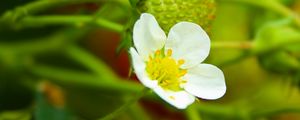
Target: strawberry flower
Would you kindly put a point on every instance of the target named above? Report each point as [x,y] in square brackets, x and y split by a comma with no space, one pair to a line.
[171,66]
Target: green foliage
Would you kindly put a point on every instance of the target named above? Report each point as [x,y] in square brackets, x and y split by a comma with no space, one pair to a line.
[39,41]
[274,35]
[280,62]
[273,42]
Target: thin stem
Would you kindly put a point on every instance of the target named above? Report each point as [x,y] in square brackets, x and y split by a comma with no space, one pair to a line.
[41,5]
[244,45]
[71,77]
[77,78]
[138,112]
[78,20]
[126,105]
[192,113]
[40,45]
[247,46]
[90,61]
[32,47]
[253,48]
[220,110]
[234,60]
[21,16]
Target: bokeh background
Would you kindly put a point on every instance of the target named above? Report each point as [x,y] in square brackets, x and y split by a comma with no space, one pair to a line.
[68,60]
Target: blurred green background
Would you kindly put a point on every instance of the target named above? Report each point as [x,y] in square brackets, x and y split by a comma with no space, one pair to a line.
[68,60]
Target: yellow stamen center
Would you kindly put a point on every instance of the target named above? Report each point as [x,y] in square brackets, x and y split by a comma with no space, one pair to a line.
[166,70]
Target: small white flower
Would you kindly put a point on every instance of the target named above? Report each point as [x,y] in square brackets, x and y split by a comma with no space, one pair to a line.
[171,66]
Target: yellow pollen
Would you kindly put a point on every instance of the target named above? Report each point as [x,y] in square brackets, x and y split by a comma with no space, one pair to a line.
[182,72]
[183,81]
[169,52]
[166,70]
[181,61]
[157,52]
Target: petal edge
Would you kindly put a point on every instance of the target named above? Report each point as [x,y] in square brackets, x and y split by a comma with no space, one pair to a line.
[189,42]
[147,35]
[179,99]
[139,68]
[205,81]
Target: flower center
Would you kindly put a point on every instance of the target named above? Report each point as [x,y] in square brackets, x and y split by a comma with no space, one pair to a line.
[166,70]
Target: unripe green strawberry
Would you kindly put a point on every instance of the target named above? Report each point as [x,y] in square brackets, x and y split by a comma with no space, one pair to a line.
[170,12]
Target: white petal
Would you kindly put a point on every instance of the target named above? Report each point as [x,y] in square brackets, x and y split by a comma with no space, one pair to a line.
[189,42]
[147,35]
[140,71]
[180,99]
[205,81]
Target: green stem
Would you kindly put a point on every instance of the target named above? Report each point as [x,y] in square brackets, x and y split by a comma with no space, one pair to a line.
[78,20]
[40,45]
[244,45]
[138,112]
[91,62]
[126,105]
[261,49]
[77,78]
[192,113]
[218,110]
[39,6]
[234,60]
[32,47]
[252,47]
[247,46]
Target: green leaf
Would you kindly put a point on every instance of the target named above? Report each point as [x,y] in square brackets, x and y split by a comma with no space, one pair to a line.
[274,43]
[276,35]
[280,62]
